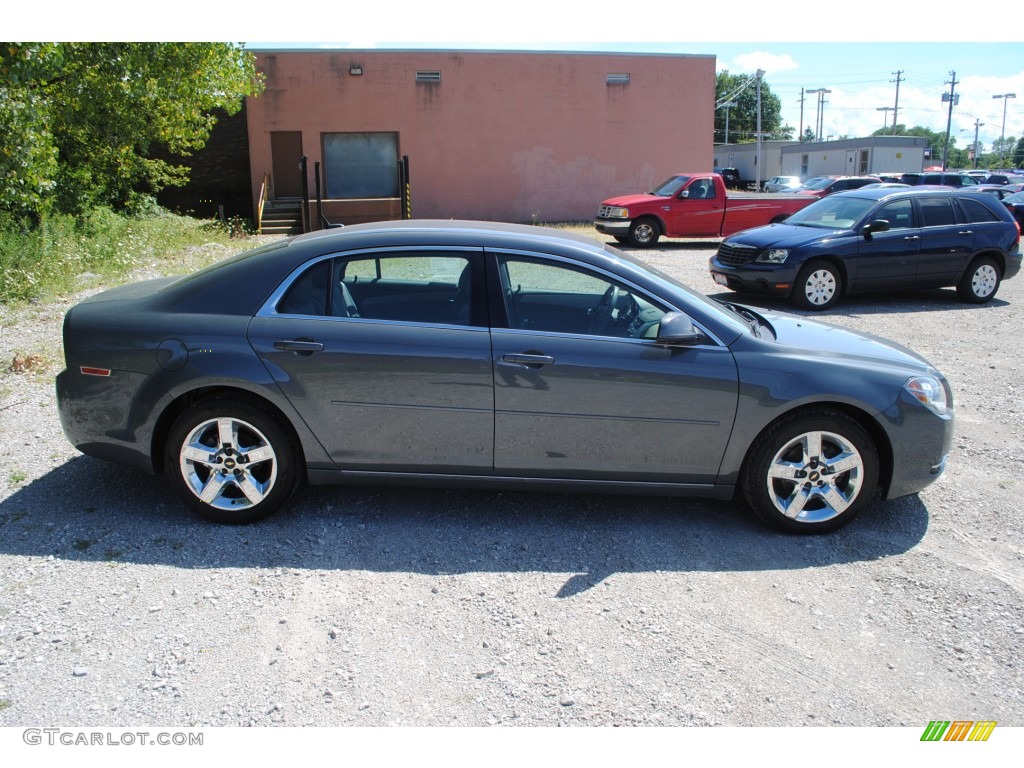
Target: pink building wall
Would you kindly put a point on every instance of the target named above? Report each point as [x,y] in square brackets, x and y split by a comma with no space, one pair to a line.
[503,136]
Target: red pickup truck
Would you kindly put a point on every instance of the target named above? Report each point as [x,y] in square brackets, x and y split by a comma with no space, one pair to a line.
[691,205]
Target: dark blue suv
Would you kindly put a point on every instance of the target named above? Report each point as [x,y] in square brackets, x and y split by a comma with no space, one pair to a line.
[873,240]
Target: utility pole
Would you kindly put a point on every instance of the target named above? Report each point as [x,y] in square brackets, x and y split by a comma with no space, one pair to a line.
[952,98]
[800,136]
[977,125]
[757,158]
[896,106]
[727,106]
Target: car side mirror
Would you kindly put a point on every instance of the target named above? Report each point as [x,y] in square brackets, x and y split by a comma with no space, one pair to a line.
[677,328]
[878,225]
[684,194]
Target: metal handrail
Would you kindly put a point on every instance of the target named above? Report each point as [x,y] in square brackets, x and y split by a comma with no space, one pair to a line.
[262,200]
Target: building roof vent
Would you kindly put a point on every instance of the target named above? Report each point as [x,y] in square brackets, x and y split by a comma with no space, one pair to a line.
[428,76]
[621,78]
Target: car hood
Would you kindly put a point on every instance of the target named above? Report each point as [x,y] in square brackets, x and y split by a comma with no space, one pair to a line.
[825,340]
[624,201]
[784,236]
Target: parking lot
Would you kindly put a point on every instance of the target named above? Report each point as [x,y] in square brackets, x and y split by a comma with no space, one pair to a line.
[379,606]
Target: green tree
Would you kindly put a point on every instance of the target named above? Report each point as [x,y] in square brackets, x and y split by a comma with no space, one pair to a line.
[83,119]
[743,117]
[1018,153]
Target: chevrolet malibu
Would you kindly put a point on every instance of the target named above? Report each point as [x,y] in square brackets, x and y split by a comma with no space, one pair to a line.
[491,356]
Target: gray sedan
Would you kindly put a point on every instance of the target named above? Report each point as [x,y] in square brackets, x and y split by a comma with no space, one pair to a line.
[488,355]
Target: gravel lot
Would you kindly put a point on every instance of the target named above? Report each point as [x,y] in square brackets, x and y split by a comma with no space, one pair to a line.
[398,607]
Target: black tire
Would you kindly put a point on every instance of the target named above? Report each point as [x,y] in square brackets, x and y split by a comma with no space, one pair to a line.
[980,282]
[644,233]
[232,461]
[621,239]
[811,472]
[818,286]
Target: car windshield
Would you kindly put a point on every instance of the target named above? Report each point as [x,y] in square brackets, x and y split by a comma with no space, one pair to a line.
[670,186]
[832,212]
[1016,197]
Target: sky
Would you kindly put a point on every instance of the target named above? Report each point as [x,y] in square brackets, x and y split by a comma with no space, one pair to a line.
[856,53]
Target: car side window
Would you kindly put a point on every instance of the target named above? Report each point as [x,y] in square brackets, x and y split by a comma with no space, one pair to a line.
[310,295]
[560,298]
[899,214]
[429,287]
[937,211]
[702,190]
[976,212]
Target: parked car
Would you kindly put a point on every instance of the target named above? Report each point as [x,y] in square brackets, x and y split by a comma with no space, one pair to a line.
[1015,204]
[999,191]
[491,356]
[1004,178]
[876,239]
[731,177]
[944,179]
[779,183]
[885,185]
[832,184]
[807,184]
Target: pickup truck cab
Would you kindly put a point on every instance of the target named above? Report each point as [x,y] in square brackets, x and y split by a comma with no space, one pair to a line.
[690,205]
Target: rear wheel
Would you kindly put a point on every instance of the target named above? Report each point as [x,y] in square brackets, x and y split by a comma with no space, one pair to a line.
[980,282]
[811,472]
[231,461]
[644,233]
[817,287]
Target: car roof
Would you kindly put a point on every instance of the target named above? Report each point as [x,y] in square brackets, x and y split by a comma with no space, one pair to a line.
[929,190]
[254,274]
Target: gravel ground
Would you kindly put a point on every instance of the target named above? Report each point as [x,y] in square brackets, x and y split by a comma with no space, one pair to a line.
[378,606]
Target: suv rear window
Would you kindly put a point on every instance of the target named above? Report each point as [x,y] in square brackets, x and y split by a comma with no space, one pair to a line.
[977,212]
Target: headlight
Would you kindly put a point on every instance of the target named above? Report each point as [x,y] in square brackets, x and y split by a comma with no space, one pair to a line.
[929,392]
[618,213]
[773,256]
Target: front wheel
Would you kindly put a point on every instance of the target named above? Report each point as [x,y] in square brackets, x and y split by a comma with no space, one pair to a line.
[811,472]
[980,282]
[644,233]
[817,287]
[231,461]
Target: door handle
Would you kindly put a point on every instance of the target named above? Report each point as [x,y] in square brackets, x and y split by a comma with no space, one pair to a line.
[912,237]
[966,232]
[301,346]
[530,361]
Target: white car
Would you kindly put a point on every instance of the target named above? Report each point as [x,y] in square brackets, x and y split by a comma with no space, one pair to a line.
[780,183]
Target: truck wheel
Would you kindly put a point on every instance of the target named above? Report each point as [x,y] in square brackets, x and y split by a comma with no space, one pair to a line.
[644,233]
[818,286]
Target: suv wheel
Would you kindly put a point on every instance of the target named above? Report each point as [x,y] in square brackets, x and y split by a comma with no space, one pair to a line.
[980,282]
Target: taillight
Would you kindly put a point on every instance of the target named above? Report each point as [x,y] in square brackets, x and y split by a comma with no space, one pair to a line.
[89,371]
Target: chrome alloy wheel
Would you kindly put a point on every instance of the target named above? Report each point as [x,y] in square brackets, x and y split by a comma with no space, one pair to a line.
[820,287]
[984,280]
[815,477]
[228,464]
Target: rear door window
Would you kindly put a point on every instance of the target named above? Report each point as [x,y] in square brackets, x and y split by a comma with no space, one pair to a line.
[937,211]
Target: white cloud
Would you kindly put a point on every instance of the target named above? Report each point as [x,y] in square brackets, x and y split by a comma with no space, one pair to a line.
[748,63]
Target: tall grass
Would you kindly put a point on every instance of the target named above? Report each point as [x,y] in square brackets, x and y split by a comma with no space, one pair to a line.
[62,253]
